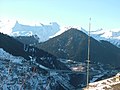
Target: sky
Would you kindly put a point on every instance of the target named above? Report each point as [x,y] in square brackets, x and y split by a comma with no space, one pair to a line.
[103,13]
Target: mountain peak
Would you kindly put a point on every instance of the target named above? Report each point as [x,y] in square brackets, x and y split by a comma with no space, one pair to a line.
[73,44]
[42,31]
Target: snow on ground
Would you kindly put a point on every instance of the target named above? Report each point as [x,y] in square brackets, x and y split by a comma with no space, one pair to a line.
[96,77]
[105,84]
[5,55]
[17,76]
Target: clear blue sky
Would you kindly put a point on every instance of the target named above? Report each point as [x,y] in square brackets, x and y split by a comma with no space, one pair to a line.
[104,13]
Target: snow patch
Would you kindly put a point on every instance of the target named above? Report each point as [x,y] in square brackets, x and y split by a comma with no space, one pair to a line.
[106,83]
[5,55]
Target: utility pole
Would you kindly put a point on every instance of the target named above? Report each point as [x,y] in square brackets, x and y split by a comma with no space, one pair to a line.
[88,61]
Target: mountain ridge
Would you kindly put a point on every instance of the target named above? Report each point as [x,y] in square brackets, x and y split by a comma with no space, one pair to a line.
[17,48]
[72,44]
[42,31]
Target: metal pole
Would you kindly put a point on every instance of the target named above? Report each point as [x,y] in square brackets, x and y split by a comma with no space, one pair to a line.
[88,61]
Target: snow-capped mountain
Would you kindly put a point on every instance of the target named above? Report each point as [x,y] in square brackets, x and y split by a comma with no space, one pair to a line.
[42,31]
[6,25]
[14,28]
[112,36]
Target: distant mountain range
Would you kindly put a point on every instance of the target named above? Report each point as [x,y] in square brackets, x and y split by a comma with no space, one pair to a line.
[72,44]
[14,28]
[113,36]
[44,32]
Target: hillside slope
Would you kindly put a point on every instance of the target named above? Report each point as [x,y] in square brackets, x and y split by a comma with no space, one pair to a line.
[16,48]
[72,44]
